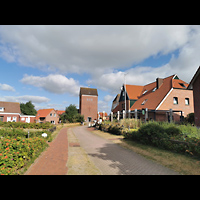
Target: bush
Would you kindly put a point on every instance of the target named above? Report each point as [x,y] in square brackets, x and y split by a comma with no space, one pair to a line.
[190,118]
[24,125]
[16,152]
[168,136]
[173,131]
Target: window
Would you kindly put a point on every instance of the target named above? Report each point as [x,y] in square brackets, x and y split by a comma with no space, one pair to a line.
[145,92]
[154,89]
[51,114]
[1,118]
[144,101]
[88,99]
[182,85]
[2,109]
[54,114]
[187,101]
[175,100]
[14,119]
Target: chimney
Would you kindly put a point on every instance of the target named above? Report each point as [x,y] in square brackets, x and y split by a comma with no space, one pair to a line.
[159,82]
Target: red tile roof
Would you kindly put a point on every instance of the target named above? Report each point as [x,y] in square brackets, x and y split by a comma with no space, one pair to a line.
[60,112]
[43,113]
[10,107]
[153,98]
[101,114]
[134,91]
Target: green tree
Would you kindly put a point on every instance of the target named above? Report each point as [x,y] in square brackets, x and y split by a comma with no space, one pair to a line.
[28,108]
[71,114]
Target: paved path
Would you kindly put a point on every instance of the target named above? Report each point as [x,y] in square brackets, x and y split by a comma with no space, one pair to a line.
[53,160]
[110,158]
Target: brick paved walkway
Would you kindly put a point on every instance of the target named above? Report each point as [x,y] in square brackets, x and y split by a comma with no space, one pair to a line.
[111,158]
[53,160]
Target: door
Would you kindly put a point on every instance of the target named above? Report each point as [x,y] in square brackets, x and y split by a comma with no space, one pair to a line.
[89,119]
[1,118]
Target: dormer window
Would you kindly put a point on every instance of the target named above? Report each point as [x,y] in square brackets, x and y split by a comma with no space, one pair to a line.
[154,89]
[181,84]
[145,92]
[144,101]
[1,109]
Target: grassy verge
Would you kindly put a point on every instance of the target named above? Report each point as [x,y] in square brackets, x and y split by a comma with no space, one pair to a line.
[78,162]
[183,164]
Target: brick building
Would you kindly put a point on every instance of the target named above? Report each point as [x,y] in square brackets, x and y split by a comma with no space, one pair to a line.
[11,112]
[47,115]
[195,86]
[158,97]
[88,103]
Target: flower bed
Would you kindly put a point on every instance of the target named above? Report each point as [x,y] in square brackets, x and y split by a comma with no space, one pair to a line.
[16,152]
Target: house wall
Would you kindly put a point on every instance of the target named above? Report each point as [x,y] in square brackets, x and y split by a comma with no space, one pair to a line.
[23,119]
[52,118]
[181,94]
[89,106]
[196,91]
[122,105]
[10,115]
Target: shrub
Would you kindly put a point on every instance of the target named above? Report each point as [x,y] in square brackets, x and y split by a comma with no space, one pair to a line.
[152,129]
[173,131]
[16,152]
[24,125]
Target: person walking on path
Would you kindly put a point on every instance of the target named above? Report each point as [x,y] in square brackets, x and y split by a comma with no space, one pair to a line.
[53,160]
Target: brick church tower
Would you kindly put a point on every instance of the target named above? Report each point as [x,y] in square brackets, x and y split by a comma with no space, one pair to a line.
[88,103]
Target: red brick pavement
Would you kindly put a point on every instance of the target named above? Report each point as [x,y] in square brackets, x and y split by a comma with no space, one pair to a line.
[53,160]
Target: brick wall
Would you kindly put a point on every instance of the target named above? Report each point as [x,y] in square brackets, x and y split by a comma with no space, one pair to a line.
[52,118]
[196,89]
[181,94]
[9,115]
[89,106]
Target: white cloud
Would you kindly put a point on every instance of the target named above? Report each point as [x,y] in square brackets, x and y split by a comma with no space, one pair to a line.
[139,75]
[25,98]
[6,87]
[89,49]
[103,51]
[57,84]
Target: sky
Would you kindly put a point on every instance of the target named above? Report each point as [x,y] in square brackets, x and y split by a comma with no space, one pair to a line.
[48,64]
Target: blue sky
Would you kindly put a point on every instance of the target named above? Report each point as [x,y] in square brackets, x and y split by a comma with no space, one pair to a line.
[48,64]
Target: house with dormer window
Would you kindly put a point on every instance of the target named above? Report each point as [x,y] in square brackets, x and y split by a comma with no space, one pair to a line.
[11,112]
[161,95]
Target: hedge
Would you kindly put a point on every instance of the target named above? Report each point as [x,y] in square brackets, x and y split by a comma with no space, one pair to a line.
[24,125]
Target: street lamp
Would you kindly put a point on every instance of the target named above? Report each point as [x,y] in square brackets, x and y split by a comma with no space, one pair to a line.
[125,91]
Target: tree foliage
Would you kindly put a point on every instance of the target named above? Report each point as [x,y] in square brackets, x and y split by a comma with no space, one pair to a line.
[71,115]
[28,108]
